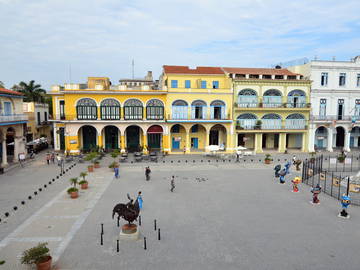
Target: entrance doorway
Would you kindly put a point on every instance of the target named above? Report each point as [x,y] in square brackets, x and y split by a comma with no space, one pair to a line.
[111,137]
[62,138]
[89,137]
[340,137]
[154,135]
[241,141]
[214,137]
[133,138]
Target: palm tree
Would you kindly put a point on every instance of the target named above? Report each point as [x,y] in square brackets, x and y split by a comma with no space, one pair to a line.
[32,91]
[83,174]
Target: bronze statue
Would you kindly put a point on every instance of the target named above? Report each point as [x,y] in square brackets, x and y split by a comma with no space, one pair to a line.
[129,211]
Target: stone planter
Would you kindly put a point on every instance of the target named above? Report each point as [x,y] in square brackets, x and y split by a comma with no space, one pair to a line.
[90,168]
[97,165]
[46,265]
[74,195]
[84,186]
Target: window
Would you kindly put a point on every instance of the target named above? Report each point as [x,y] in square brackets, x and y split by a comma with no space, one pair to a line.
[217,109]
[194,129]
[110,109]
[358,80]
[322,111]
[215,84]
[62,109]
[38,118]
[7,108]
[187,84]
[86,109]
[45,116]
[133,110]
[155,110]
[175,129]
[357,110]
[198,109]
[324,79]
[340,109]
[342,79]
[203,84]
[174,84]
[179,109]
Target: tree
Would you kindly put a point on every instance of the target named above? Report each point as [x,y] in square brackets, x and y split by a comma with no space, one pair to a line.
[2,85]
[32,92]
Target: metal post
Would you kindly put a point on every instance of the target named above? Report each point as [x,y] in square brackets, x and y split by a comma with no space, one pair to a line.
[348,186]
[154,224]
[101,239]
[339,187]
[102,228]
[118,221]
[117,245]
[332,183]
[325,182]
[139,220]
[145,243]
[352,158]
[159,238]
[344,165]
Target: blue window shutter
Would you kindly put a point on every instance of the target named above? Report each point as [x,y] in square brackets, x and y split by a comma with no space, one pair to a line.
[203,84]
[187,84]
[215,84]
[174,84]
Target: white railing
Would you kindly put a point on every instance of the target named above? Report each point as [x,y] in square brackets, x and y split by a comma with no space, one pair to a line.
[295,123]
[13,117]
[271,123]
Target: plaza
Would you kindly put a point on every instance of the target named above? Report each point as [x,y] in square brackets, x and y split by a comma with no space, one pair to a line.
[221,215]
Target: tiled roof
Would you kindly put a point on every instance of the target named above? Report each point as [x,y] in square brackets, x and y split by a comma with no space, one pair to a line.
[260,71]
[10,92]
[197,70]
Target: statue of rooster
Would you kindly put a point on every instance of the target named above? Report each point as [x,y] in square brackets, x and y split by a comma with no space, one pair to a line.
[129,211]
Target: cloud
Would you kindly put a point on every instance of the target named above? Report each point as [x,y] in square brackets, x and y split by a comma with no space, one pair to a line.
[41,38]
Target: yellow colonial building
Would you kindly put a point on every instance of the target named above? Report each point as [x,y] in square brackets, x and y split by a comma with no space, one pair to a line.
[125,116]
[271,109]
[198,109]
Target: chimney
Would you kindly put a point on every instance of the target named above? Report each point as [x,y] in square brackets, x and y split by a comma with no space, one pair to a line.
[149,76]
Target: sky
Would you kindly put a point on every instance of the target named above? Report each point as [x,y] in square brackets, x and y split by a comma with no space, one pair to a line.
[43,40]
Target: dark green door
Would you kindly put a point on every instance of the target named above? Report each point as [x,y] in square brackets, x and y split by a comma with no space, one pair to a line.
[62,138]
[89,138]
[154,140]
[111,137]
[132,138]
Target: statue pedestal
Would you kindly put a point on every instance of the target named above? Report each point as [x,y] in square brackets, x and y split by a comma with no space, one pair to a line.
[129,232]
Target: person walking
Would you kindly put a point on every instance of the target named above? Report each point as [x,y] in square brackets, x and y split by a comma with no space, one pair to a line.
[53,157]
[140,200]
[116,171]
[184,150]
[147,173]
[172,183]
[48,157]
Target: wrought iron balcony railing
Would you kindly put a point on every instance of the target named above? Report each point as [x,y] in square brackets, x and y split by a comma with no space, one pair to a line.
[272,105]
[13,117]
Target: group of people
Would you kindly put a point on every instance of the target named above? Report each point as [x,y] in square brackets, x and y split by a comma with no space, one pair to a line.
[316,190]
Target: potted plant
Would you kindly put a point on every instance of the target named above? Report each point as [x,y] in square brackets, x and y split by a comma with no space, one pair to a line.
[341,158]
[258,124]
[268,159]
[90,168]
[73,191]
[312,158]
[96,164]
[83,182]
[38,255]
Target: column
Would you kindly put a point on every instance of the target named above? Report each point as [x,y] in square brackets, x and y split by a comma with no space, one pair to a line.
[207,140]
[122,143]
[305,142]
[347,141]
[56,143]
[4,162]
[145,143]
[282,142]
[330,140]
[16,150]
[187,142]
[258,143]
[100,141]
[312,139]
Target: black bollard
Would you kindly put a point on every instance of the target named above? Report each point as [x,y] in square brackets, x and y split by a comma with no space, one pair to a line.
[15,208]
[57,177]
[118,221]
[101,239]
[145,243]
[49,182]
[29,197]
[35,192]
[7,214]
[40,189]
[22,202]
[154,224]
[159,234]
[139,220]
[53,179]
[117,245]
[45,186]
[102,228]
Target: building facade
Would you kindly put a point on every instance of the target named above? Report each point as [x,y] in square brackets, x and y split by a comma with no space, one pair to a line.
[12,126]
[271,109]
[38,121]
[198,109]
[98,114]
[335,98]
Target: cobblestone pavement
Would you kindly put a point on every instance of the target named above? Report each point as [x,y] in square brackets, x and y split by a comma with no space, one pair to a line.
[221,215]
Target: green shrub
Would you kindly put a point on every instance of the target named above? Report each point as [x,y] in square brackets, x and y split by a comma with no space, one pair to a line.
[36,254]
[72,189]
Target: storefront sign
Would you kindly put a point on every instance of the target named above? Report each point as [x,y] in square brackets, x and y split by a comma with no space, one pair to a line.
[73,141]
[177,139]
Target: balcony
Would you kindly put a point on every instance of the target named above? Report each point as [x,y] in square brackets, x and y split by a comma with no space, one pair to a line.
[13,118]
[174,118]
[271,124]
[330,118]
[271,106]
[75,117]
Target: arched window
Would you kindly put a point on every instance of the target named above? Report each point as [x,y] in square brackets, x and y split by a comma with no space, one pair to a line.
[247,98]
[154,109]
[296,99]
[271,121]
[246,121]
[295,121]
[133,109]
[179,109]
[198,109]
[217,109]
[86,109]
[110,109]
[272,98]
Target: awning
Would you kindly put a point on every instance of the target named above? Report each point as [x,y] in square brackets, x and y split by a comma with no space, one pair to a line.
[155,130]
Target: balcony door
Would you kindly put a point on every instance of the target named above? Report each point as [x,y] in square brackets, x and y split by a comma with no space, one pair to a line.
[7,108]
[340,111]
